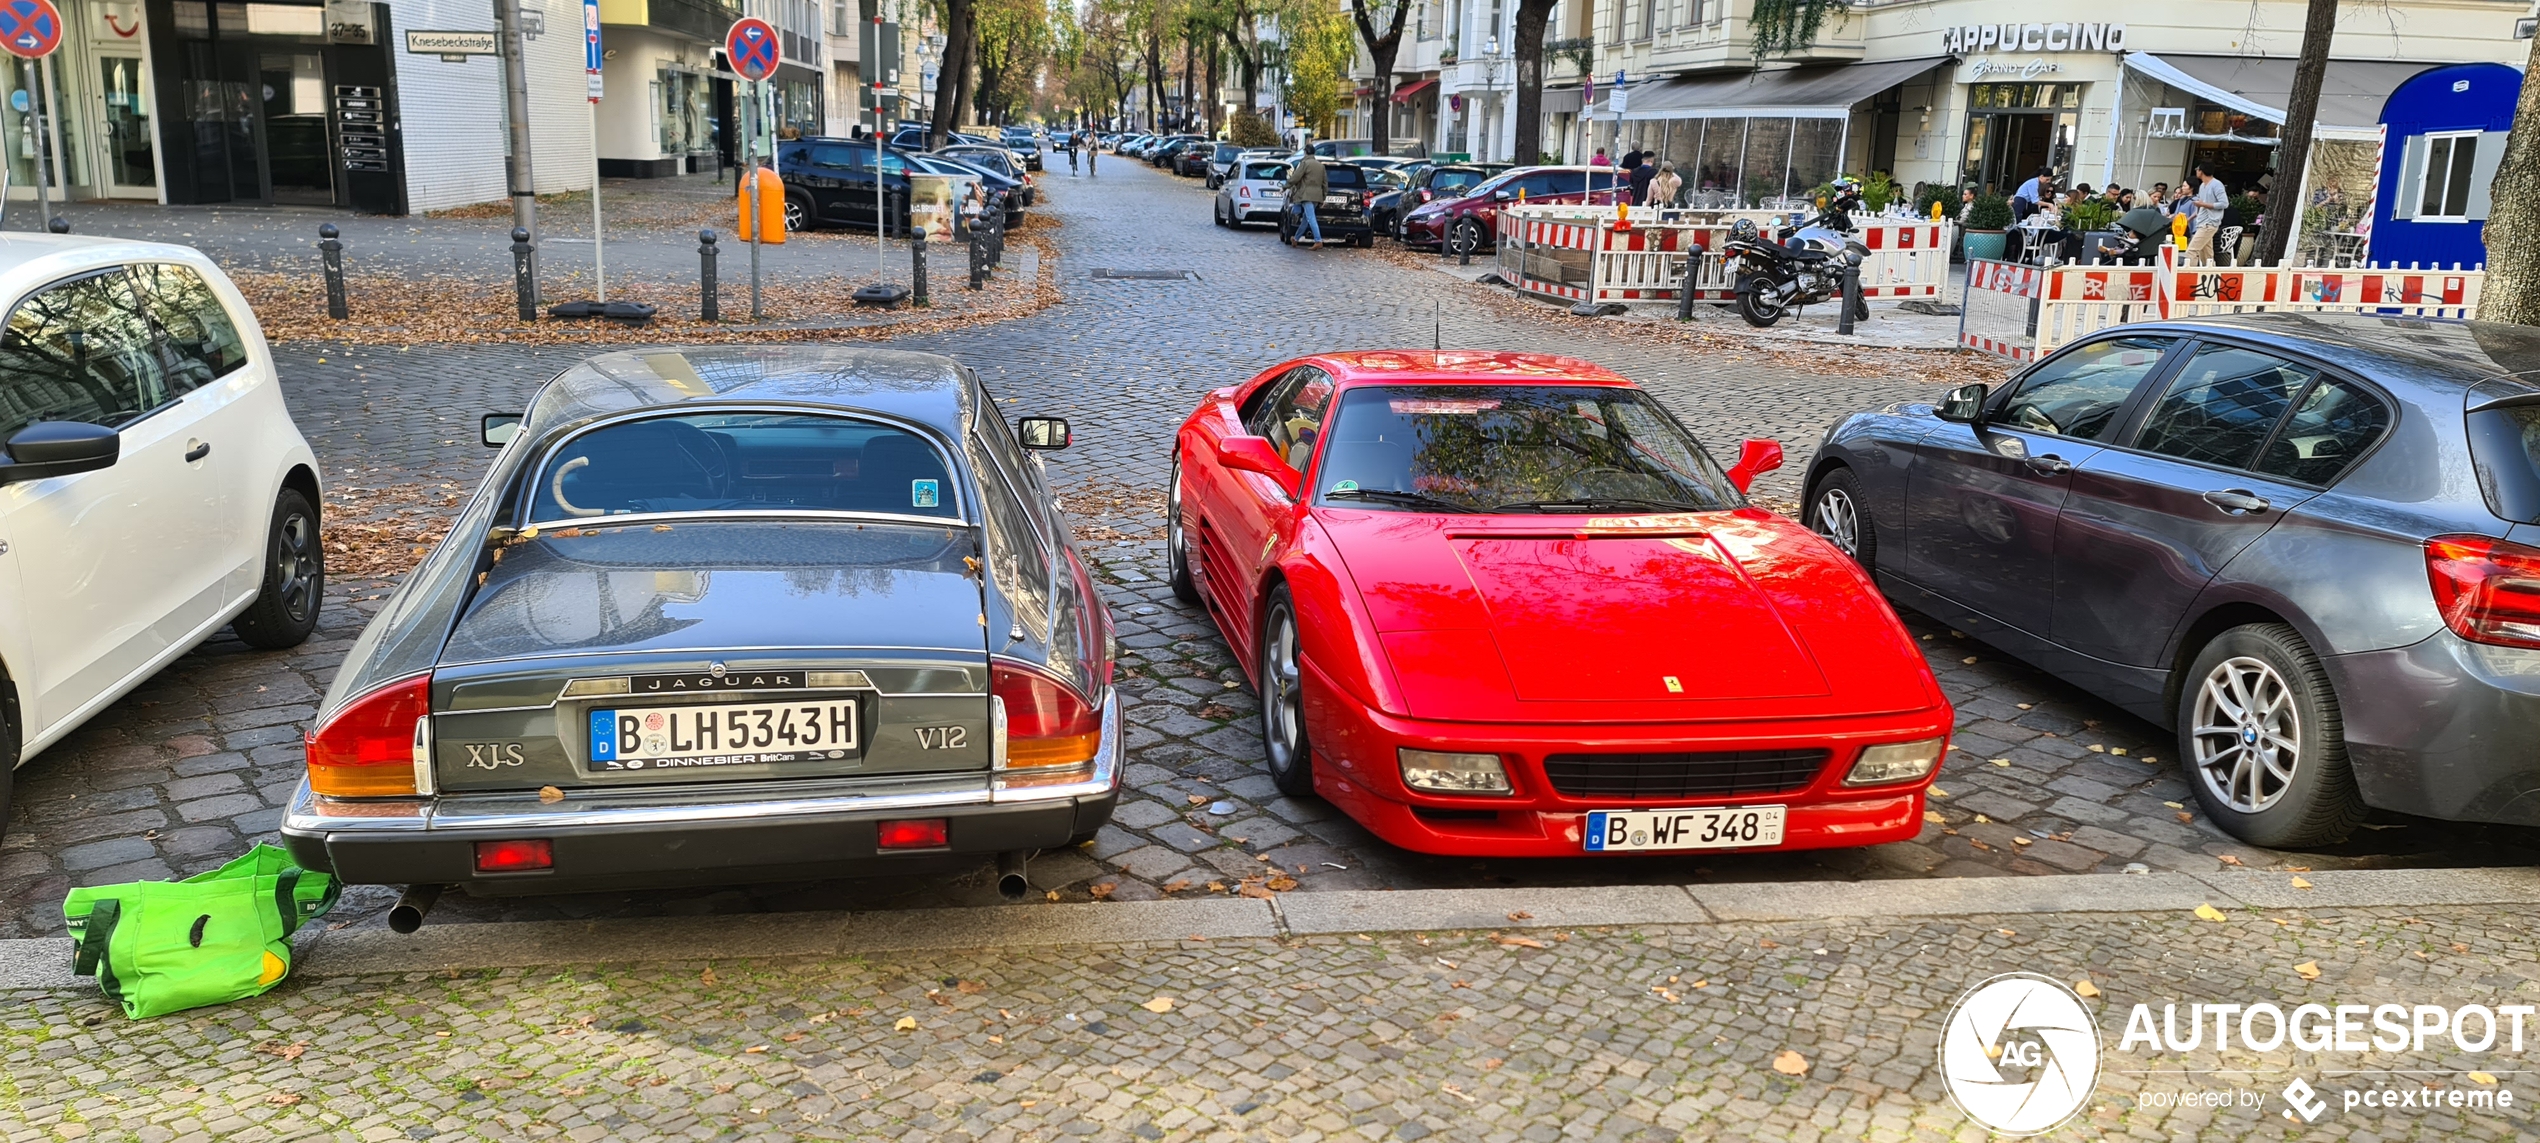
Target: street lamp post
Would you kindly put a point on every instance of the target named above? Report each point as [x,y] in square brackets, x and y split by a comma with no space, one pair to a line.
[1490,89]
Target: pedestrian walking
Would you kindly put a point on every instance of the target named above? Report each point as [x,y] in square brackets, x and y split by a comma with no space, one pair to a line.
[1306,187]
[2211,200]
[1093,158]
[1075,146]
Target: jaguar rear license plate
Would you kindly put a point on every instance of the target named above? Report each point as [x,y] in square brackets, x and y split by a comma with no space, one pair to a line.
[725,734]
[1728,827]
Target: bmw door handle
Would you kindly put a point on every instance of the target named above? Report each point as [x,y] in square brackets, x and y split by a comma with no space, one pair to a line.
[2050,464]
[200,450]
[2237,501]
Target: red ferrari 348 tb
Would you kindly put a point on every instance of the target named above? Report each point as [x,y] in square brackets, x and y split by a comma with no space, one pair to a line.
[1503,604]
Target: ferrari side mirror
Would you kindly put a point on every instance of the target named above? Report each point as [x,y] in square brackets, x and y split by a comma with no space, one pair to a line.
[1258,455]
[1754,458]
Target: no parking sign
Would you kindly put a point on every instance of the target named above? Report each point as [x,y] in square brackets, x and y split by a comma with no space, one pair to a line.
[30,29]
[750,45]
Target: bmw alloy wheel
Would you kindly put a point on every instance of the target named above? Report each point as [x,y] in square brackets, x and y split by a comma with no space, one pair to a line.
[1838,519]
[2248,734]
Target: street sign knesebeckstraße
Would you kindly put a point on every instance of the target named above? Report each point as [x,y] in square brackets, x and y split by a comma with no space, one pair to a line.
[30,29]
[453,43]
[752,47]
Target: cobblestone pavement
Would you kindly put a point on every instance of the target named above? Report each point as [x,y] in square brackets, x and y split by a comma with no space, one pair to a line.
[1598,1034]
[194,765]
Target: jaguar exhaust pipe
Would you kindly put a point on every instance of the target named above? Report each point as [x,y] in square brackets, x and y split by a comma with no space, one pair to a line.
[407,914]
[1010,880]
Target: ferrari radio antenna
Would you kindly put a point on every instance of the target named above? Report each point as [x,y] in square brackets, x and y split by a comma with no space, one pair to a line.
[1437,332]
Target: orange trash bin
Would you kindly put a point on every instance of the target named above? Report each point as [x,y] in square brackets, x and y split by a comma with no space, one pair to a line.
[770,215]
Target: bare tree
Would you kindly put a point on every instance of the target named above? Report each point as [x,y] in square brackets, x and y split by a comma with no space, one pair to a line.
[2512,290]
[952,84]
[2301,113]
[1382,47]
[1532,15]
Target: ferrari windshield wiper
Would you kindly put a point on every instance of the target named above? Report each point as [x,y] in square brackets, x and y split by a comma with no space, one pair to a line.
[1598,504]
[1389,496]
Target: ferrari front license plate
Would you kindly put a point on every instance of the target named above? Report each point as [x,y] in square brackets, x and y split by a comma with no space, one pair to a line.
[1730,827]
[726,734]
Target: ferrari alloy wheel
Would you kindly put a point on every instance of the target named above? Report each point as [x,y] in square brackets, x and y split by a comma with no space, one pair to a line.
[1177,555]
[2261,733]
[1290,754]
[1836,514]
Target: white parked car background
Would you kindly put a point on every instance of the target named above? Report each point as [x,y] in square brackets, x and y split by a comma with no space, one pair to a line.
[1255,193]
[155,490]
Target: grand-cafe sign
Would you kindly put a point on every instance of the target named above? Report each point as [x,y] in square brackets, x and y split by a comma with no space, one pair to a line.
[2033,38]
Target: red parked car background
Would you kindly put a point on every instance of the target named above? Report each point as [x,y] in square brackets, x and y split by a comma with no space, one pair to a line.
[1503,604]
[1473,220]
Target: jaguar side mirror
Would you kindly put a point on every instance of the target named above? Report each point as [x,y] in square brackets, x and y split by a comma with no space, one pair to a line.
[1042,432]
[498,429]
[1964,404]
[1754,458]
[60,448]
[1257,455]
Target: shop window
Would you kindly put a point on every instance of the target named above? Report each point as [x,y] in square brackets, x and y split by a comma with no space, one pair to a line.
[2445,177]
[1765,172]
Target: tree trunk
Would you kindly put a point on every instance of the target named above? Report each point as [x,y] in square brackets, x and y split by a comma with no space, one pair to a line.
[1382,47]
[1215,54]
[1155,79]
[960,29]
[2301,112]
[2511,292]
[1531,17]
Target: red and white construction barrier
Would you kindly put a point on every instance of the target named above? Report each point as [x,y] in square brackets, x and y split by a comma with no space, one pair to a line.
[1580,254]
[2000,312]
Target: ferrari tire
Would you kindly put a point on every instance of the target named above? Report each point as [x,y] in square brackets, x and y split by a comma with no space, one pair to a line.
[286,607]
[1285,745]
[1838,513]
[1177,557]
[2263,742]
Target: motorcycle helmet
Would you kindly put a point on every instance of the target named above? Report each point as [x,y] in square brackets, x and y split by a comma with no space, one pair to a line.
[1743,230]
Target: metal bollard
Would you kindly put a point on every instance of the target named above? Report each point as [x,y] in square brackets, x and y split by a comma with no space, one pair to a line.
[1851,296]
[707,307]
[978,255]
[331,253]
[917,268]
[1684,286]
[59,225]
[524,280]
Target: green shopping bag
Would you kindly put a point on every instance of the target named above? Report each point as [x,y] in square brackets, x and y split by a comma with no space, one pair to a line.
[165,946]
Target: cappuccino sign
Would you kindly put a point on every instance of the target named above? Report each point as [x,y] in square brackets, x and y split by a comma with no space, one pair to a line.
[1973,38]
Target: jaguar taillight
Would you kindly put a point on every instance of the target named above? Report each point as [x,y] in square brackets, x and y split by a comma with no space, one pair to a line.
[1044,732]
[376,746]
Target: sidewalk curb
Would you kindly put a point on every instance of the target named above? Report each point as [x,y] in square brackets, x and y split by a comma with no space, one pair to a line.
[44,963]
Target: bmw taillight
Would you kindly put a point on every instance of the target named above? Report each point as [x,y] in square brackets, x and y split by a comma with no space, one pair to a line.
[376,746]
[2487,589]
[1045,733]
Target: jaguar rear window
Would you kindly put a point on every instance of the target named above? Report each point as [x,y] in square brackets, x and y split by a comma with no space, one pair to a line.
[741,462]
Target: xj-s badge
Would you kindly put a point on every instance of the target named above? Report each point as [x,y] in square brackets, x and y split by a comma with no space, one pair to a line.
[942,737]
[493,755]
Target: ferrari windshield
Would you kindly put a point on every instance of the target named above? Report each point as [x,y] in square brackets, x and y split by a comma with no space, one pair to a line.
[740,462]
[1514,448]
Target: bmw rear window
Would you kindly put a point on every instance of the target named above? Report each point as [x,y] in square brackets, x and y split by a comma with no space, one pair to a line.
[2504,446]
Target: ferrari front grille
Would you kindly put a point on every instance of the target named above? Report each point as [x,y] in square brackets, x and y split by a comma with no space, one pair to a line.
[1653,777]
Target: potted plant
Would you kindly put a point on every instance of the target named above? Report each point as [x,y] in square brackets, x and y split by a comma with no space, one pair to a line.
[1987,218]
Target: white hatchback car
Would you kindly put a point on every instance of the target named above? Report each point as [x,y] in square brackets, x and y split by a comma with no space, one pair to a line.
[154,487]
[1256,190]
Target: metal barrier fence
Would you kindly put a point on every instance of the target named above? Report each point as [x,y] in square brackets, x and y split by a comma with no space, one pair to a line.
[1587,254]
[2021,311]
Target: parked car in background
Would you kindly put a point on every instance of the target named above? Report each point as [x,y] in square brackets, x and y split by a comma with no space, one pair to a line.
[1427,182]
[1221,159]
[1025,141]
[1003,190]
[1255,193]
[1471,222]
[996,160]
[1357,148]
[1192,159]
[821,616]
[157,489]
[2310,543]
[915,139]
[833,182]
[1503,604]
[1162,153]
[1342,215]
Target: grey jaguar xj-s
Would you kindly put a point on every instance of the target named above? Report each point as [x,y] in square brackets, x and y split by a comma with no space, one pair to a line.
[722,615]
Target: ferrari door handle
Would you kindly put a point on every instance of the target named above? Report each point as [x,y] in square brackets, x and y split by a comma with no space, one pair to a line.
[200,450]
[2237,502]
[2050,464]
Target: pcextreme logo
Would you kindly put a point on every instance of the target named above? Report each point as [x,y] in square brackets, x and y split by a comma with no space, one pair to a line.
[2020,1054]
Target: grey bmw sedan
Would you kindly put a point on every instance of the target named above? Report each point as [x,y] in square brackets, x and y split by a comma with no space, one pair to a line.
[723,615]
[2308,542]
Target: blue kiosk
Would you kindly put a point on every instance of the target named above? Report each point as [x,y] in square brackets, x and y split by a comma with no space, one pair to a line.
[2443,131]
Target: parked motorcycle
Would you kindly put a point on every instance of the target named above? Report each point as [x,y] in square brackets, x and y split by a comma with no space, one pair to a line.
[1803,267]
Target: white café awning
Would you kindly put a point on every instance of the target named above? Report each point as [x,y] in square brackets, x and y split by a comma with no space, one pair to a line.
[2351,94]
[1821,92]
